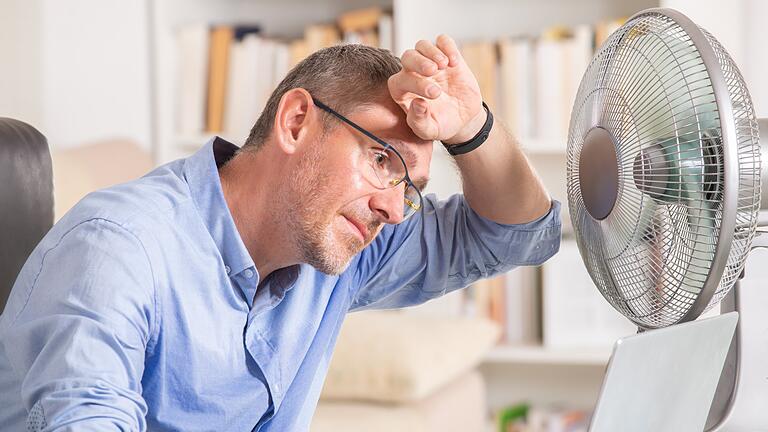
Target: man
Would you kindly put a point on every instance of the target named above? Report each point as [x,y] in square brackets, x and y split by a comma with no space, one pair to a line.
[208,294]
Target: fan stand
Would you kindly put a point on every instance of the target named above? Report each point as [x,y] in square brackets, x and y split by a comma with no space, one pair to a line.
[722,413]
[727,388]
[723,403]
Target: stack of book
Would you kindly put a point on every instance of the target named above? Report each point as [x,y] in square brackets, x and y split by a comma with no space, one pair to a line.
[556,305]
[226,73]
[512,300]
[531,82]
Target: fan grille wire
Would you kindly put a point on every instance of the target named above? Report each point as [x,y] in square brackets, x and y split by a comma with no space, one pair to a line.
[649,87]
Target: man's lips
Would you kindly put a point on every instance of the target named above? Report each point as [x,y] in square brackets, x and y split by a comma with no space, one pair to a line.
[361,229]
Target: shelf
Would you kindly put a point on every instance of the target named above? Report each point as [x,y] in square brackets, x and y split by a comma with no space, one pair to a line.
[540,355]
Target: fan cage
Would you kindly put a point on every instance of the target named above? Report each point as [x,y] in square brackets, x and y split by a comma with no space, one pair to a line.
[649,86]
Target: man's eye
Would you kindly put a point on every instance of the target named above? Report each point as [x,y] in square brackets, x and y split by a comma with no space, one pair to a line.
[381,159]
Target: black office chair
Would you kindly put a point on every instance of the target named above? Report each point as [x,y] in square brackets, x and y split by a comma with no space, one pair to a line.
[26,197]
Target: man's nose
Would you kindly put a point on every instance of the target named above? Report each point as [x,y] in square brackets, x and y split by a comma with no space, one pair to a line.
[388,204]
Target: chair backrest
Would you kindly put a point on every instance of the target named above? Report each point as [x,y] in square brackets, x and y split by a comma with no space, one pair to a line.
[26,197]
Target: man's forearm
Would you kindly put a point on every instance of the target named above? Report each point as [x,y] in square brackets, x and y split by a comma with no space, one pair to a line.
[499,183]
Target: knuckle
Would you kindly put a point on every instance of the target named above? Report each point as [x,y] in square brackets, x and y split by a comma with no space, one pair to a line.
[445,41]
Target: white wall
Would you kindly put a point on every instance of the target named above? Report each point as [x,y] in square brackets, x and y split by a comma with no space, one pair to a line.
[20,60]
[756,55]
[95,71]
[77,69]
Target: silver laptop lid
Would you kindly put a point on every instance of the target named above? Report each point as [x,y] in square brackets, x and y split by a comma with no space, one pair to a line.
[664,380]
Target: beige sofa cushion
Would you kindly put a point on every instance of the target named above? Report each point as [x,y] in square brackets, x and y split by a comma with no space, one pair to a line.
[78,171]
[458,407]
[396,357]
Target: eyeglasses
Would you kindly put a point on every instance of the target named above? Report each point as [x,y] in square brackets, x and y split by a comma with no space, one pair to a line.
[388,166]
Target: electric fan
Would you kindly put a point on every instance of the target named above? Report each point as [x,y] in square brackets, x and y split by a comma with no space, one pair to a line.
[663,175]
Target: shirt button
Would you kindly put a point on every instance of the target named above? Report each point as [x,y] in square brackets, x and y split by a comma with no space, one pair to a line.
[248,273]
[226,267]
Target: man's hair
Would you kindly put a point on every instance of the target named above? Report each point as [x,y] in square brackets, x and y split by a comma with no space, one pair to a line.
[342,76]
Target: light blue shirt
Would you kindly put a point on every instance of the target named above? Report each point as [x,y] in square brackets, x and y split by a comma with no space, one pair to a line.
[139,309]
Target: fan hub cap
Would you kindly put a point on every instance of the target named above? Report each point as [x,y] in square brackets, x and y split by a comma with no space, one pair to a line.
[599,173]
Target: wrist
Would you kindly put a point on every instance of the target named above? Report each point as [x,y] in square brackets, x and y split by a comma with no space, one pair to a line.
[469,130]
[463,147]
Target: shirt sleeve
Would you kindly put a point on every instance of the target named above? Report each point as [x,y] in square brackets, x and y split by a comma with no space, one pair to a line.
[79,342]
[448,246]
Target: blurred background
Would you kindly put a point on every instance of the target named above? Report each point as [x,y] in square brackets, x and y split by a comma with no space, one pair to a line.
[120,86]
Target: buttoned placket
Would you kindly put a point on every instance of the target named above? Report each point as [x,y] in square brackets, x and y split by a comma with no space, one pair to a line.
[255,337]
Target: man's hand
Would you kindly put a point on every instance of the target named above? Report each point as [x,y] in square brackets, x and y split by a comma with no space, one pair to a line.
[438,92]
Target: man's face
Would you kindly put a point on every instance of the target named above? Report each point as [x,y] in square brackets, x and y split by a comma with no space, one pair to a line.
[338,209]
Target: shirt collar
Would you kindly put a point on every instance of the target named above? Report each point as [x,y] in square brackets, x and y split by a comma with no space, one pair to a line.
[201,171]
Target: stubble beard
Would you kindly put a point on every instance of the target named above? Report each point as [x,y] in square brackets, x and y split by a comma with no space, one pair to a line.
[310,221]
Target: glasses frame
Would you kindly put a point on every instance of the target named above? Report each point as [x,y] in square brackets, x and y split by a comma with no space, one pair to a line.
[386,146]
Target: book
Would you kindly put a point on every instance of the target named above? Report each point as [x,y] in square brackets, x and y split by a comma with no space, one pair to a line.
[243,92]
[369,26]
[497,303]
[360,19]
[481,59]
[319,36]
[298,50]
[488,296]
[221,39]
[516,79]
[281,64]
[550,88]
[386,34]
[192,85]
[522,307]
[236,100]
[579,48]
[575,314]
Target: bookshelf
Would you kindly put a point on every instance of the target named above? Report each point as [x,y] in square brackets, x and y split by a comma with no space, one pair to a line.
[277,18]
[537,354]
[532,372]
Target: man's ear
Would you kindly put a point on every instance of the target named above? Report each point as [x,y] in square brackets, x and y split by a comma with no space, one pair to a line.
[292,124]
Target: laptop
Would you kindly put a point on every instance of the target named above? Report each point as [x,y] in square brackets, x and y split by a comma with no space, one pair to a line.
[664,380]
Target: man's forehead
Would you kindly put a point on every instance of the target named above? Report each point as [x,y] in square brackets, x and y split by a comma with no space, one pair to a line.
[389,123]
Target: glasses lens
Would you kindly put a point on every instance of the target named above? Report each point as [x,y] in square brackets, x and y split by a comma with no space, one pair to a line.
[388,168]
[412,201]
